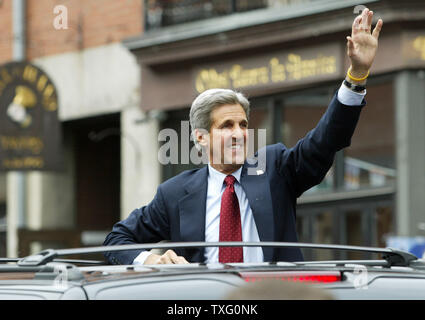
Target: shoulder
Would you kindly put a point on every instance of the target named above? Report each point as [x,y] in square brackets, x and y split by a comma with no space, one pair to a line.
[272,150]
[267,158]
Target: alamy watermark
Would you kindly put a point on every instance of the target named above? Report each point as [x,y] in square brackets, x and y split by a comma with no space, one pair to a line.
[60,21]
[360,279]
[358,9]
[178,151]
[61,280]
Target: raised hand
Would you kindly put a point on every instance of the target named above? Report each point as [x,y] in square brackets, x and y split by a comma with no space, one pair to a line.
[363,43]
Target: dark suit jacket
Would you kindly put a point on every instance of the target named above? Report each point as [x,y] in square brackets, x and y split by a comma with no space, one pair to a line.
[177,213]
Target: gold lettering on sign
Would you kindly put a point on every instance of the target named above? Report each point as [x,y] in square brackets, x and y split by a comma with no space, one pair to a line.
[248,77]
[48,91]
[277,69]
[419,45]
[294,69]
[208,79]
[33,144]
[25,97]
[5,75]
[41,83]
[24,163]
[2,86]
[30,74]
[300,69]
[49,102]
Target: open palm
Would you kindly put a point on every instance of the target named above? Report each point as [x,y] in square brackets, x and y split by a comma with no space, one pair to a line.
[363,44]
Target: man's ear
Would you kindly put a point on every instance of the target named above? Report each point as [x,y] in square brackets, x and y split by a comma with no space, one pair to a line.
[202,136]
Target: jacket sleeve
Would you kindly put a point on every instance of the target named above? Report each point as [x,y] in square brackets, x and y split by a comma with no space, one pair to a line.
[306,164]
[148,224]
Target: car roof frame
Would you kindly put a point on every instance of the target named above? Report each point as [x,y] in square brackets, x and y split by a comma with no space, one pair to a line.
[394,257]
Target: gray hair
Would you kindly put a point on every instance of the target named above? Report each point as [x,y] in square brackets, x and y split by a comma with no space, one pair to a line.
[204,104]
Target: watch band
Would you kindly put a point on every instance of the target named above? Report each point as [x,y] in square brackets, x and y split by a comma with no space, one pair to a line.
[354,87]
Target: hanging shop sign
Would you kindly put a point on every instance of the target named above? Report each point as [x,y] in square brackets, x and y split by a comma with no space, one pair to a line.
[30,134]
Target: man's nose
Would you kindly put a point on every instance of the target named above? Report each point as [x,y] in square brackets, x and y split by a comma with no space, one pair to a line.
[238,132]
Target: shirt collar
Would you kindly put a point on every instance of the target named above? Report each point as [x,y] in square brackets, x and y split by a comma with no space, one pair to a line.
[218,177]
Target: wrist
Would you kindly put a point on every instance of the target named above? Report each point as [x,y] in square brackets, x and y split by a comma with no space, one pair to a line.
[354,87]
[354,82]
[357,76]
[141,258]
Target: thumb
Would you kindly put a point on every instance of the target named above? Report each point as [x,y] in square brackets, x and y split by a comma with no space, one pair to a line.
[350,46]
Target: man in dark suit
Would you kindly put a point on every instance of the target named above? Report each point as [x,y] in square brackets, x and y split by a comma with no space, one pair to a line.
[232,199]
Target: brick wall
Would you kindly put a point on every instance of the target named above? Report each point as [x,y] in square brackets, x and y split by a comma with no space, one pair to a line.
[6,31]
[91,23]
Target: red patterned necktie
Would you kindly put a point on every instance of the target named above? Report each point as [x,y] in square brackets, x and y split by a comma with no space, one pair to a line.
[230,223]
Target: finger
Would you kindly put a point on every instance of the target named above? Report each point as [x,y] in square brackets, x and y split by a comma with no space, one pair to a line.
[350,46]
[174,258]
[152,259]
[377,29]
[369,20]
[170,253]
[182,260]
[179,260]
[165,259]
[365,14]
[356,24]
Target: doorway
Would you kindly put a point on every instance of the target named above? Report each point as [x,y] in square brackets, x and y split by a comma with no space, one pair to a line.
[98,172]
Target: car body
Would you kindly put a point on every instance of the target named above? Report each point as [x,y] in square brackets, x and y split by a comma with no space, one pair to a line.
[398,276]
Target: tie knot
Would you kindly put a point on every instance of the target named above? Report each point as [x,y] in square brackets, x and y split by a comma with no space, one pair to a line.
[229,180]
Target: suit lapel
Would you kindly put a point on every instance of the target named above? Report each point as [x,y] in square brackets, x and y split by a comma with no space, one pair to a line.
[192,208]
[257,190]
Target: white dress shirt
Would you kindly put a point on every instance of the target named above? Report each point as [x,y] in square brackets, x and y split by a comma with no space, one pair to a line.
[215,190]
[349,97]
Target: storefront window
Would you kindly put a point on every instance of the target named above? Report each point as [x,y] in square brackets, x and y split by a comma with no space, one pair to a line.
[370,160]
[368,163]
[354,234]
[323,233]
[3,221]
[365,222]
[301,111]
[3,229]
[177,121]
[259,120]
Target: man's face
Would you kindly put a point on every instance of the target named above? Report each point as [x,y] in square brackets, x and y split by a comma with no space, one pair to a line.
[228,138]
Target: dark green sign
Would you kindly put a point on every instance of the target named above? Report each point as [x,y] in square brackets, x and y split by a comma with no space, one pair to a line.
[30,135]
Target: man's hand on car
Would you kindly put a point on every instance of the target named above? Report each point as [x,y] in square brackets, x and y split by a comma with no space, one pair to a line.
[169,257]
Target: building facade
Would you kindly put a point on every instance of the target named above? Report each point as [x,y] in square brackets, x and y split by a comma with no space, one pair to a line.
[125,70]
[78,45]
[289,57]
